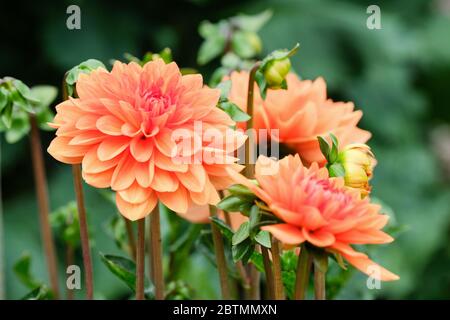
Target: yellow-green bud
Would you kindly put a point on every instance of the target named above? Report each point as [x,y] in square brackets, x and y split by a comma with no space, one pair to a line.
[358,162]
[276,71]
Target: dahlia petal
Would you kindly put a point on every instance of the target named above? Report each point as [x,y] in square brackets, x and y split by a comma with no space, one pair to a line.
[124,174]
[144,172]
[87,138]
[291,217]
[91,164]
[61,150]
[367,266]
[312,218]
[100,179]
[347,250]
[112,147]
[196,214]
[176,201]
[319,238]
[164,181]
[286,233]
[109,125]
[364,237]
[135,194]
[194,179]
[165,144]
[169,164]
[137,211]
[87,122]
[141,148]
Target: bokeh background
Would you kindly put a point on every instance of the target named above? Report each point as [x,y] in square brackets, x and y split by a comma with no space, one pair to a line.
[399,76]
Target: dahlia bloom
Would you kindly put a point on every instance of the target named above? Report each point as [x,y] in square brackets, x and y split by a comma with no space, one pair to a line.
[129,129]
[319,210]
[301,113]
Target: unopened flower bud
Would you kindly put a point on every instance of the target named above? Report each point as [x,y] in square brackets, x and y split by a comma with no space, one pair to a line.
[358,162]
[276,72]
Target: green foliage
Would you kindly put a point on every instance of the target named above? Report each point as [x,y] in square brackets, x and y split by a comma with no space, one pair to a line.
[237,35]
[230,108]
[84,67]
[125,270]
[22,269]
[65,222]
[17,101]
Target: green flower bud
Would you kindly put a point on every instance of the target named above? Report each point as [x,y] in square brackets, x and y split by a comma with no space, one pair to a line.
[276,71]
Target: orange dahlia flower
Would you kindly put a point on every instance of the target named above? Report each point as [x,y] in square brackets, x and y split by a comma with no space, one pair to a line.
[129,125]
[319,210]
[301,113]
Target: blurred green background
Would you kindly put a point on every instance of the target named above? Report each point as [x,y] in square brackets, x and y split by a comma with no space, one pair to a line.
[399,76]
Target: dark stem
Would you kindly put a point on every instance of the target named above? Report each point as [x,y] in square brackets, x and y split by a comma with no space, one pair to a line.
[220,257]
[70,260]
[249,166]
[303,270]
[319,280]
[255,276]
[277,279]
[131,238]
[156,251]
[42,199]
[268,272]
[140,260]
[84,233]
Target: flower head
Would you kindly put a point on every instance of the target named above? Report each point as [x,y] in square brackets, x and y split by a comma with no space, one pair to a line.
[301,113]
[319,210]
[358,162]
[142,131]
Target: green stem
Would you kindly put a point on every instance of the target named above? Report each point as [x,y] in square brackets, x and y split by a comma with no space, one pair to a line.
[220,257]
[303,270]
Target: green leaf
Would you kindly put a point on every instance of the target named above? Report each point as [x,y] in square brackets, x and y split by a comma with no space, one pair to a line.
[19,128]
[125,270]
[263,238]
[246,44]
[223,227]
[40,293]
[324,147]
[230,203]
[225,87]
[262,83]
[241,190]
[234,111]
[84,67]
[241,234]
[336,170]
[45,94]
[22,269]
[24,91]
[3,98]
[20,102]
[254,217]
[208,29]
[7,116]
[230,60]
[252,22]
[210,49]
[334,153]
[243,251]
